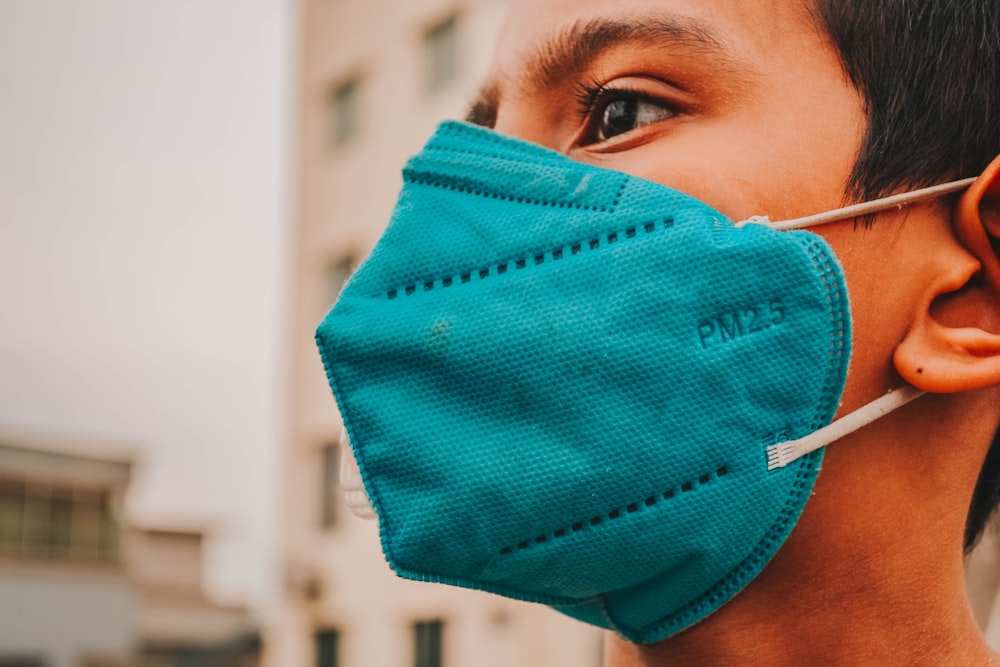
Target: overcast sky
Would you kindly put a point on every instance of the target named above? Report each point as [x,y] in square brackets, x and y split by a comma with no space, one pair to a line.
[144,228]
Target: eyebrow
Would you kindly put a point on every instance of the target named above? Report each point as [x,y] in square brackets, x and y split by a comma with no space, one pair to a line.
[576,47]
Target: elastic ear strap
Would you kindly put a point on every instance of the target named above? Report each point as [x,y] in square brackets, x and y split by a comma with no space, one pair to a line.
[780,455]
[867,208]
[355,495]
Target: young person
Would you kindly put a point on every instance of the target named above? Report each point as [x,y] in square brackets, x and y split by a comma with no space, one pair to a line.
[787,109]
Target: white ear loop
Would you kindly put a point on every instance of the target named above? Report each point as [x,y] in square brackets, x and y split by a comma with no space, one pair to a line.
[781,454]
[355,495]
[866,208]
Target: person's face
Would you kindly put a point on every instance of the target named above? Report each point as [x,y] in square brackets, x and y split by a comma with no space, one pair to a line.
[740,103]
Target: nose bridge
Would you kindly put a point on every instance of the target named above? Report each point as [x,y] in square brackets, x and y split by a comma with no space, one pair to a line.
[519,116]
[525,127]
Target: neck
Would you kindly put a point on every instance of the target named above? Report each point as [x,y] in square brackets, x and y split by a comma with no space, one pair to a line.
[872,574]
[865,614]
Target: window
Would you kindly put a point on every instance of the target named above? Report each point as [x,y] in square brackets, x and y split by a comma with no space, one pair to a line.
[441,47]
[60,523]
[427,643]
[20,661]
[328,648]
[330,487]
[345,115]
[104,661]
[44,521]
[11,513]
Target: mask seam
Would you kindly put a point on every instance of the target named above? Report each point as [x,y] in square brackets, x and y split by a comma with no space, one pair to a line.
[417,177]
[836,300]
[540,160]
[575,248]
[373,496]
[738,576]
[618,513]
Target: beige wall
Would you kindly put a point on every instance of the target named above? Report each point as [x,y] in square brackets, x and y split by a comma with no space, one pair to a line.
[166,570]
[167,559]
[338,577]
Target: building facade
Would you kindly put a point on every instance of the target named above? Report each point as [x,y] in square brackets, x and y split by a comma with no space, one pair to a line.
[65,595]
[376,77]
[176,624]
[81,586]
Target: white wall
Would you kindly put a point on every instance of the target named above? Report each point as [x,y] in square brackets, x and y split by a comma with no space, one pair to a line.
[144,202]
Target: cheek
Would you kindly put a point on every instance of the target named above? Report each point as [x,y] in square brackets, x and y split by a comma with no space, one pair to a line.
[698,173]
[736,185]
[740,167]
[881,305]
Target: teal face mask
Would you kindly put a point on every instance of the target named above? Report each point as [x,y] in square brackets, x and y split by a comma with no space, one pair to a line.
[567,385]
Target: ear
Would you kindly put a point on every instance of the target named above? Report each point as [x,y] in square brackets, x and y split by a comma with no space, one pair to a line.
[953,343]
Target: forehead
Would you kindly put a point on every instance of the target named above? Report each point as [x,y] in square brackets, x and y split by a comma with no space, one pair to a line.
[766,19]
[759,34]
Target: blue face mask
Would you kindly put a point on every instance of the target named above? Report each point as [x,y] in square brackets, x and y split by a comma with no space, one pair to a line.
[571,386]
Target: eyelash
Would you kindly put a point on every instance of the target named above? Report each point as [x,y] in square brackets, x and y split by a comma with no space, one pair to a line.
[589,94]
[592,96]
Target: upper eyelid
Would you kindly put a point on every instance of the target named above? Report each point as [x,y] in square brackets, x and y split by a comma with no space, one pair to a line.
[592,94]
[602,93]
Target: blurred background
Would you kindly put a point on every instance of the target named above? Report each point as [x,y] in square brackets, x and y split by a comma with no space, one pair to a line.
[184,187]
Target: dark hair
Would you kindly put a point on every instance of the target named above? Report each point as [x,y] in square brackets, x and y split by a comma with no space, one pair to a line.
[929,72]
[986,495]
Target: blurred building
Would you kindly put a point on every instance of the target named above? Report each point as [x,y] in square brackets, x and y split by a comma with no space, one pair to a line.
[65,595]
[82,587]
[176,624]
[982,582]
[376,77]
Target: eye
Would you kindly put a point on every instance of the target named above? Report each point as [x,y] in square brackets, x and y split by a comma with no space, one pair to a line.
[628,113]
[610,112]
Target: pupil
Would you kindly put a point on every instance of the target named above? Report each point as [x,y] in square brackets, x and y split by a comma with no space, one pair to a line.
[619,117]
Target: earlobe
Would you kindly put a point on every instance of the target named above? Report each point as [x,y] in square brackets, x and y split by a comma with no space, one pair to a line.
[943,359]
[953,343]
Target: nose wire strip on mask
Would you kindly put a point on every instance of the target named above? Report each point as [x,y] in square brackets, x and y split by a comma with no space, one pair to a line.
[866,208]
